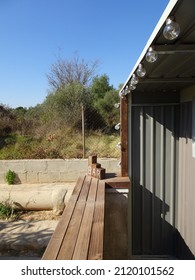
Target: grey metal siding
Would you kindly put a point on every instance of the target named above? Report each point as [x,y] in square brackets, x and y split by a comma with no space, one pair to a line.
[154,145]
[186,185]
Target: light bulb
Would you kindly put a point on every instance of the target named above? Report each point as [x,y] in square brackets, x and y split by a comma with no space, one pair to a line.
[141,71]
[116,105]
[127,90]
[132,87]
[171,30]
[118,145]
[117,126]
[151,55]
[134,79]
[121,93]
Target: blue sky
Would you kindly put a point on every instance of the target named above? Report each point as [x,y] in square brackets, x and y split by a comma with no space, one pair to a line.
[33,33]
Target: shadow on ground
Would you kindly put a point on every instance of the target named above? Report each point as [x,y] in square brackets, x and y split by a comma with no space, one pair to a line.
[24,239]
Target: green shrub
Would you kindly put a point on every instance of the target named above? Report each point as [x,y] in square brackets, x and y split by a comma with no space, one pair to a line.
[10,177]
[6,211]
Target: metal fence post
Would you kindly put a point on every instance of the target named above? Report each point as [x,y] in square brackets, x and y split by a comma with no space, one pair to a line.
[83,128]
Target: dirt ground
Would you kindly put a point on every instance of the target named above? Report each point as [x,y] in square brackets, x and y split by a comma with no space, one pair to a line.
[26,236]
[38,215]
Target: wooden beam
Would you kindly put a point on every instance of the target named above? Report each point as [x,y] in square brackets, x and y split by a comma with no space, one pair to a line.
[124,135]
[118,183]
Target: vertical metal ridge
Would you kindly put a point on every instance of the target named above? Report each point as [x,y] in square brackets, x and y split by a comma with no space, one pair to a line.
[163,176]
[142,169]
[172,169]
[152,150]
[153,176]
[141,146]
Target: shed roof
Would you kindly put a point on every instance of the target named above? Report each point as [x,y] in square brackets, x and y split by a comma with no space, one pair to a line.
[175,66]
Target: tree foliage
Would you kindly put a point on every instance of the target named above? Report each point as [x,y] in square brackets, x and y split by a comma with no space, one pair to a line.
[105,107]
[68,71]
[65,104]
[104,98]
[100,85]
[7,120]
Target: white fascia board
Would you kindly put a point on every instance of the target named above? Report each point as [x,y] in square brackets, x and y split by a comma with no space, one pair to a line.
[160,23]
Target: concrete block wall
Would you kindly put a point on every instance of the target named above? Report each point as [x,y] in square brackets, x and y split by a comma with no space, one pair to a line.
[51,170]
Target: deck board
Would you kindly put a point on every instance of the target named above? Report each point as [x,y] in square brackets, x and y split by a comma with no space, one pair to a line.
[56,240]
[96,242]
[81,248]
[79,233]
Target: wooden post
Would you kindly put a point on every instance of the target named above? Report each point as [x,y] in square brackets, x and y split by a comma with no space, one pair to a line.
[124,135]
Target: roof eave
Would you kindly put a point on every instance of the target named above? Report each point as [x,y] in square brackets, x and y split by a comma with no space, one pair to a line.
[156,30]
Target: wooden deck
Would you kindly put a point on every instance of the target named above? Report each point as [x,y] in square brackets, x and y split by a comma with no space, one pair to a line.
[79,233]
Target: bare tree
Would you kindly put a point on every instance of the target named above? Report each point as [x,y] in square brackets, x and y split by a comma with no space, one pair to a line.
[68,71]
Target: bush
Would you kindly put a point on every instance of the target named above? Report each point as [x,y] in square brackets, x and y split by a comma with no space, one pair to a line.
[10,177]
[9,212]
[6,211]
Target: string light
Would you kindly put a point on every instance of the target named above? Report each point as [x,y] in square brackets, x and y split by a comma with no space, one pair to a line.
[171,30]
[118,145]
[134,80]
[151,55]
[117,105]
[117,126]
[132,87]
[141,71]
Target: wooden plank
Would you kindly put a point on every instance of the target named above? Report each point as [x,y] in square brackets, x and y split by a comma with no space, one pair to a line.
[55,242]
[82,245]
[70,238]
[68,244]
[97,234]
[118,183]
[124,136]
[92,159]
[85,189]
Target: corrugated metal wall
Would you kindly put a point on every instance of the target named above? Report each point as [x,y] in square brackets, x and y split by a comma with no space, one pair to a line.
[154,165]
[186,184]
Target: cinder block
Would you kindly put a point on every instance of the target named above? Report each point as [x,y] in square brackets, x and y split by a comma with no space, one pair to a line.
[67,177]
[2,178]
[32,177]
[56,165]
[21,178]
[35,165]
[51,177]
[14,165]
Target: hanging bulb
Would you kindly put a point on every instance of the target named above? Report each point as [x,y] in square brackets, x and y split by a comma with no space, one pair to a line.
[141,71]
[118,145]
[151,55]
[171,30]
[127,90]
[122,94]
[117,126]
[134,79]
[132,87]
[116,105]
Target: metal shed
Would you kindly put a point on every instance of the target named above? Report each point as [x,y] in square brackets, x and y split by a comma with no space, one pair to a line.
[158,141]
